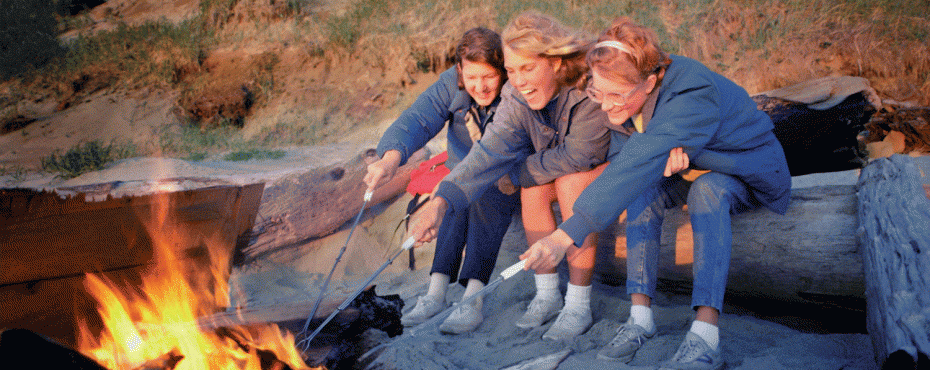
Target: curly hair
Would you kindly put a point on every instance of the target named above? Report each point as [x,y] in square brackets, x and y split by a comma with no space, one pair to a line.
[480,45]
[643,55]
[544,36]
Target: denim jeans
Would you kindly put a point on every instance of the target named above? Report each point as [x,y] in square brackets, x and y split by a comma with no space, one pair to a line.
[478,232]
[711,199]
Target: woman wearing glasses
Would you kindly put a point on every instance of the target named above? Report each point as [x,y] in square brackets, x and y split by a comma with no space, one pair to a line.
[668,101]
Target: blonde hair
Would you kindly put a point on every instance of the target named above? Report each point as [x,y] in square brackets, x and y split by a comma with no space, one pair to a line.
[544,36]
[641,57]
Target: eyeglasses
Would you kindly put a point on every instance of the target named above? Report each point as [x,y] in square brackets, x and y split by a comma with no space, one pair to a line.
[616,99]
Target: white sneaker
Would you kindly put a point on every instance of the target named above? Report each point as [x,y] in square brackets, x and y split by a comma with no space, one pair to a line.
[694,354]
[464,319]
[425,308]
[569,324]
[539,311]
[626,342]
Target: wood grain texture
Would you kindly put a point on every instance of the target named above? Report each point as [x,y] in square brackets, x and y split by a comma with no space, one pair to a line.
[895,235]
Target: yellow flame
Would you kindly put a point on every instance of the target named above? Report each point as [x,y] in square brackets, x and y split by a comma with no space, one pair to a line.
[161,317]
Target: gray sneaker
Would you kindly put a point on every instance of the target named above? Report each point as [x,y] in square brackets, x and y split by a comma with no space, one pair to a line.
[569,324]
[539,311]
[425,308]
[625,344]
[464,319]
[694,354]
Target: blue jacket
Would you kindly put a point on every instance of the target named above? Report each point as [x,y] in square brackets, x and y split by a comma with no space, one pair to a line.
[720,129]
[442,102]
[533,146]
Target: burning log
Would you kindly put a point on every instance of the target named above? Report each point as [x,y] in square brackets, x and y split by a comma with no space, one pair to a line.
[50,239]
[894,214]
[167,361]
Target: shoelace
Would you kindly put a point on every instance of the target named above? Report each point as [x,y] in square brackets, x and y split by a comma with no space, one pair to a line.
[623,336]
[688,352]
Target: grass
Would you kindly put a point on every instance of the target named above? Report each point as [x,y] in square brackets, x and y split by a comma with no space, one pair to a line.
[86,157]
[321,59]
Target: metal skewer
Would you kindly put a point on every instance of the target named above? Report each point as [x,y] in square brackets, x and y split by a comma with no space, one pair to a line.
[306,341]
[366,198]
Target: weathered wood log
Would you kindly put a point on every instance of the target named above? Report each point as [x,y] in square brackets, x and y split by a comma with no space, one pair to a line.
[895,235]
[48,242]
[818,122]
[809,254]
[304,206]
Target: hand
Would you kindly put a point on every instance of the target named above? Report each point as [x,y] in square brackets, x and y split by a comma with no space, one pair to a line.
[677,161]
[547,252]
[506,186]
[382,171]
[426,226]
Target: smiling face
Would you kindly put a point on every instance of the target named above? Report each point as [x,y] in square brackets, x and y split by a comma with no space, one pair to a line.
[635,96]
[534,76]
[481,81]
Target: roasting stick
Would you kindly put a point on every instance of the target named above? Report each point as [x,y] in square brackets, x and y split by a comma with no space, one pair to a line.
[506,274]
[306,341]
[366,198]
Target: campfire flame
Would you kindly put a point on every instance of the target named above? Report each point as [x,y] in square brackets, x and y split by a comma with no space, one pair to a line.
[158,321]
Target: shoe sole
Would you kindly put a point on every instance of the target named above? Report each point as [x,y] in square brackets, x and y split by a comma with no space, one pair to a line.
[625,359]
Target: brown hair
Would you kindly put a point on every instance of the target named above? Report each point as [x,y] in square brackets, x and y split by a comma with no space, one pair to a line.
[480,45]
[546,37]
[645,56]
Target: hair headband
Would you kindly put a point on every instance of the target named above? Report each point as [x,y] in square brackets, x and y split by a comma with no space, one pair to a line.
[614,44]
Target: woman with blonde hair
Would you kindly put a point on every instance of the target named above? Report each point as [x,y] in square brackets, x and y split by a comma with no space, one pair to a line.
[666,101]
[549,138]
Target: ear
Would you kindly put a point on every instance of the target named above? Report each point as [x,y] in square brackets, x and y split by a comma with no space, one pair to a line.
[651,83]
[556,64]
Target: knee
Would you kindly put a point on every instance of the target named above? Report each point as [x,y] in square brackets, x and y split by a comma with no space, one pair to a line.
[708,193]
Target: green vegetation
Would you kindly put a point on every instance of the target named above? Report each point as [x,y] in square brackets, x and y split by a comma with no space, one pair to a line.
[86,157]
[254,154]
[321,69]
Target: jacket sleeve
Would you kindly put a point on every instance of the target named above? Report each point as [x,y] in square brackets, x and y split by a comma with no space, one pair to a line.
[504,145]
[687,118]
[585,146]
[423,120]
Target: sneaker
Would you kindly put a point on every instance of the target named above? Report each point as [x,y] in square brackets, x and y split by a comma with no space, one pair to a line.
[694,354]
[625,344]
[426,307]
[464,319]
[539,311]
[569,324]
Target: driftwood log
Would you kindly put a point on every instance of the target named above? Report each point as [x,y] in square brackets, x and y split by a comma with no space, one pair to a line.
[818,122]
[809,254]
[304,206]
[895,235]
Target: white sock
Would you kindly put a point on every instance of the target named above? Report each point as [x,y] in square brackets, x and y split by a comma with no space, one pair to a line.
[578,298]
[547,285]
[642,316]
[474,285]
[438,283]
[709,332]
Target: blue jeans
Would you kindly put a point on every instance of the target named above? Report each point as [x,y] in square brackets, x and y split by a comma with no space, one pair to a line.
[482,229]
[711,199]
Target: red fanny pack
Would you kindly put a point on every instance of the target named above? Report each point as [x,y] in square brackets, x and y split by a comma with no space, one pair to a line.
[424,178]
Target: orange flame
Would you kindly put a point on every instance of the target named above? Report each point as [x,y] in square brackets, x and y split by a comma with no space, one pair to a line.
[159,320]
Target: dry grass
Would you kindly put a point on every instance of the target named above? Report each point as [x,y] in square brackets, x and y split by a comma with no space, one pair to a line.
[344,64]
